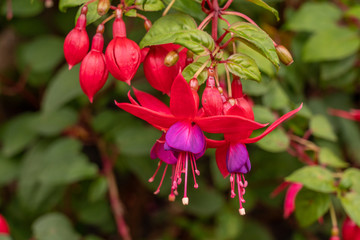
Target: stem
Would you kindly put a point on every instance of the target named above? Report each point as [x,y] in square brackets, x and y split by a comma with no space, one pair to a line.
[167,9]
[307,143]
[227,5]
[116,204]
[201,69]
[141,16]
[333,216]
[228,81]
[108,18]
[91,1]
[205,22]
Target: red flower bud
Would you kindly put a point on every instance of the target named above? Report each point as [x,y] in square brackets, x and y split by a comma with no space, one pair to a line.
[76,44]
[236,87]
[122,54]
[93,71]
[350,231]
[211,98]
[4,228]
[156,72]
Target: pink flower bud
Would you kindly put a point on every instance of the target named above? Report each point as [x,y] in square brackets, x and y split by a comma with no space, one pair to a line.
[350,231]
[211,98]
[236,87]
[156,72]
[122,54]
[76,44]
[4,228]
[93,71]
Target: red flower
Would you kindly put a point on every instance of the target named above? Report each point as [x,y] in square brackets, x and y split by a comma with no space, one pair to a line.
[4,228]
[122,54]
[289,203]
[156,72]
[211,99]
[76,44]
[183,126]
[353,114]
[350,231]
[93,71]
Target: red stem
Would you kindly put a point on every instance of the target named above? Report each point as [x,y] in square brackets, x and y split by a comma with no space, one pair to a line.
[215,19]
[227,5]
[205,21]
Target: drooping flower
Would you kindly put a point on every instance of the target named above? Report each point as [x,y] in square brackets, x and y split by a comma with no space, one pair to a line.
[156,72]
[76,44]
[4,228]
[93,71]
[350,231]
[211,98]
[183,126]
[122,55]
[289,202]
[231,154]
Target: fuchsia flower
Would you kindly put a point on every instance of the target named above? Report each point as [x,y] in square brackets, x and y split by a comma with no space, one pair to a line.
[289,203]
[350,231]
[184,127]
[231,154]
[4,228]
[211,99]
[156,72]
[76,44]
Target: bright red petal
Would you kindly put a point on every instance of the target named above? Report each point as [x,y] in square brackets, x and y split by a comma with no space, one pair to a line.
[151,102]
[221,160]
[132,100]
[159,120]
[214,143]
[272,126]
[182,103]
[227,124]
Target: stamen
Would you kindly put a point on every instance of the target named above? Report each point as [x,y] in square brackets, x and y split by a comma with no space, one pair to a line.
[196,170]
[185,184]
[192,161]
[185,201]
[161,181]
[232,185]
[156,171]
[241,209]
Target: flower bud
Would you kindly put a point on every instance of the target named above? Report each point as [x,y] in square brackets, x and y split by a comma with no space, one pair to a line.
[171,58]
[350,231]
[211,98]
[158,75]
[236,87]
[103,7]
[284,55]
[93,71]
[76,44]
[147,24]
[122,54]
[4,228]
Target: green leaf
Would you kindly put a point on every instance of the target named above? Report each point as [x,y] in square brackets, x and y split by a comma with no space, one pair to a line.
[229,225]
[197,205]
[351,179]
[276,141]
[243,66]
[351,203]
[180,29]
[314,16]
[310,206]
[315,178]
[5,237]
[331,44]
[321,127]
[190,7]
[24,8]
[329,158]
[149,5]
[276,97]
[98,189]
[267,7]
[9,170]
[64,4]
[92,14]
[54,226]
[335,69]
[18,134]
[131,13]
[257,39]
[63,88]
[263,114]
[191,69]
[53,123]
[43,53]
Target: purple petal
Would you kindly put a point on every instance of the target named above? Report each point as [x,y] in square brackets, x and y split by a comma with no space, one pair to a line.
[187,137]
[158,151]
[237,159]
